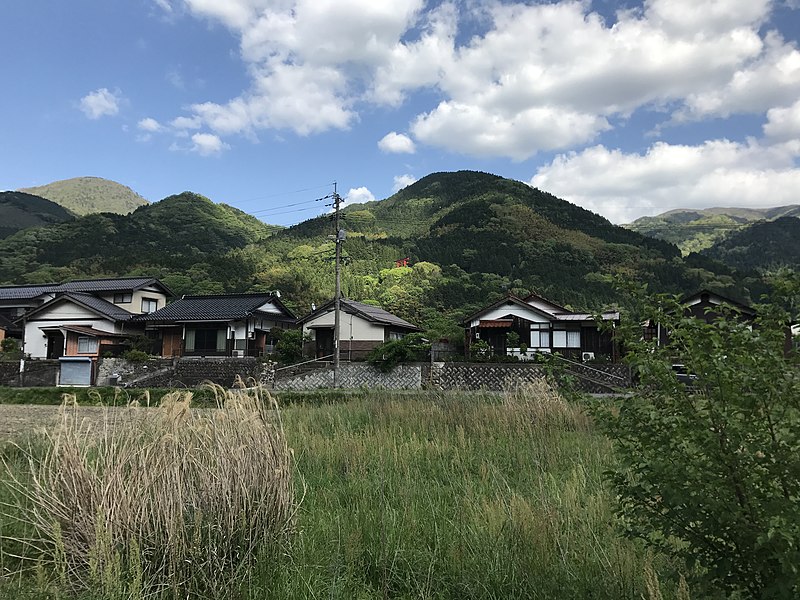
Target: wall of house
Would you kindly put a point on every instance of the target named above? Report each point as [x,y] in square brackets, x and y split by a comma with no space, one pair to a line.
[35,341]
[351,327]
[510,309]
[135,305]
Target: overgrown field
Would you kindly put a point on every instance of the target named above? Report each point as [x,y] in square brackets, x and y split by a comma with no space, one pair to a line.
[420,496]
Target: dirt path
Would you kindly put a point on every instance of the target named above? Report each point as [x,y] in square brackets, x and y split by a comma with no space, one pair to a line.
[17,420]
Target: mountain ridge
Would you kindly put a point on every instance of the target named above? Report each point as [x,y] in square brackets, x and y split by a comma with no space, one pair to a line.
[88,195]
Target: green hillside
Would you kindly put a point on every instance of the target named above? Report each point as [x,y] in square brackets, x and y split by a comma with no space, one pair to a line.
[19,210]
[193,244]
[762,246]
[470,239]
[696,230]
[88,195]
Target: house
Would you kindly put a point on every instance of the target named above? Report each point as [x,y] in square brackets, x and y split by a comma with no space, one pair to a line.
[83,318]
[542,326]
[218,325]
[362,327]
[701,305]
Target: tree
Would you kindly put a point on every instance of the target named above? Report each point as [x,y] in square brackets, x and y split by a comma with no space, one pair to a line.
[709,471]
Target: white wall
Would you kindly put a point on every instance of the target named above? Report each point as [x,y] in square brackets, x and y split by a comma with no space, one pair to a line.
[351,327]
[517,311]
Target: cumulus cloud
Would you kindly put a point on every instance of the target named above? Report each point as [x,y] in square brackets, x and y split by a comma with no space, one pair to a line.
[624,186]
[783,124]
[100,103]
[359,195]
[507,79]
[396,143]
[208,144]
[150,125]
[401,181]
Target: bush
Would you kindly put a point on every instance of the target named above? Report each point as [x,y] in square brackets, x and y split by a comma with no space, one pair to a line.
[710,472]
[135,355]
[480,351]
[388,355]
[289,348]
[180,500]
[9,345]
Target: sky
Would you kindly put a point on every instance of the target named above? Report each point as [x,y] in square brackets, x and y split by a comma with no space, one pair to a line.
[626,108]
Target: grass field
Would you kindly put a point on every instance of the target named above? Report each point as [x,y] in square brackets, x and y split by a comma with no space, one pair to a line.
[433,496]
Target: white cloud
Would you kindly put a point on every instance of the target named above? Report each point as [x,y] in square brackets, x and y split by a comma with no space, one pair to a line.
[401,181]
[149,124]
[208,144]
[100,103]
[186,123]
[783,124]
[359,195]
[397,143]
[507,78]
[717,173]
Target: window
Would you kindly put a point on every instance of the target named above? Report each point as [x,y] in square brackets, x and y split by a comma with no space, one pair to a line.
[395,335]
[540,338]
[124,298]
[567,339]
[87,345]
[149,305]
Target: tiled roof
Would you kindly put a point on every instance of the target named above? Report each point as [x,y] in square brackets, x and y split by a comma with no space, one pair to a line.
[26,292]
[108,285]
[371,313]
[224,307]
[29,292]
[105,308]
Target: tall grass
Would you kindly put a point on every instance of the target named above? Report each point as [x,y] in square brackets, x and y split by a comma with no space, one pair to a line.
[175,501]
[430,495]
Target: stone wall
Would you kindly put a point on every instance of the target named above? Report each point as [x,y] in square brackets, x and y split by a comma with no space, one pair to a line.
[481,376]
[40,373]
[353,376]
[192,372]
[9,373]
[118,371]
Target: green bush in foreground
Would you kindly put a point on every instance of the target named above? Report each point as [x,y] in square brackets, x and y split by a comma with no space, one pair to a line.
[709,466]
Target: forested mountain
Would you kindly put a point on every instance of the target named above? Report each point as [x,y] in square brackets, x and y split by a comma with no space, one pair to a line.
[193,244]
[87,195]
[470,239]
[695,230]
[763,246]
[19,210]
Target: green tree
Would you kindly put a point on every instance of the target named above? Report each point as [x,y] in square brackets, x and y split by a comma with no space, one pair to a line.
[709,468]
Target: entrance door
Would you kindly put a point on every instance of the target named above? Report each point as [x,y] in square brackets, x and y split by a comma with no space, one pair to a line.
[55,344]
[324,342]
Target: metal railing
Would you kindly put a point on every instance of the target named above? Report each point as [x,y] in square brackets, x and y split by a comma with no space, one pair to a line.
[305,362]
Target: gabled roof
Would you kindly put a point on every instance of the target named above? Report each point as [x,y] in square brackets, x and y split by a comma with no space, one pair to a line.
[373,314]
[26,292]
[557,308]
[563,315]
[220,307]
[714,298]
[119,284]
[101,307]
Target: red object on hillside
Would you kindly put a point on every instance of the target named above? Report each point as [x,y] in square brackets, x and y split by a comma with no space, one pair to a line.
[403,262]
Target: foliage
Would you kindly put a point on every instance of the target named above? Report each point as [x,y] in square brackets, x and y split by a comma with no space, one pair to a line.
[135,355]
[20,211]
[762,246]
[84,195]
[480,351]
[9,345]
[479,496]
[410,348]
[708,465]
[289,347]
[180,500]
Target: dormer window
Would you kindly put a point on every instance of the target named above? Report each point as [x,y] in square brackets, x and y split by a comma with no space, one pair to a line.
[123,298]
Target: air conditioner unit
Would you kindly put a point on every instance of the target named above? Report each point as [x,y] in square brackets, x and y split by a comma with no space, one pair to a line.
[587,356]
[238,353]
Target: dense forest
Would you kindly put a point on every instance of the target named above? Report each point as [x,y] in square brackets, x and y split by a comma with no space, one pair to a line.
[470,238]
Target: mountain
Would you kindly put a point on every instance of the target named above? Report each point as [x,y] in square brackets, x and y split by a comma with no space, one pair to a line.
[695,230]
[762,246]
[470,238]
[191,243]
[19,210]
[87,195]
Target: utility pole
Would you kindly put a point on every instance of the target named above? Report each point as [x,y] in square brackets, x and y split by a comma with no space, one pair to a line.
[338,239]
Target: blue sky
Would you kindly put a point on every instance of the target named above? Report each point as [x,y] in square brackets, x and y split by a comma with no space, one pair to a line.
[625,108]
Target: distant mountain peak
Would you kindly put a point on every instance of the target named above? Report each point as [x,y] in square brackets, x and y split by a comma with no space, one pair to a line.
[87,195]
